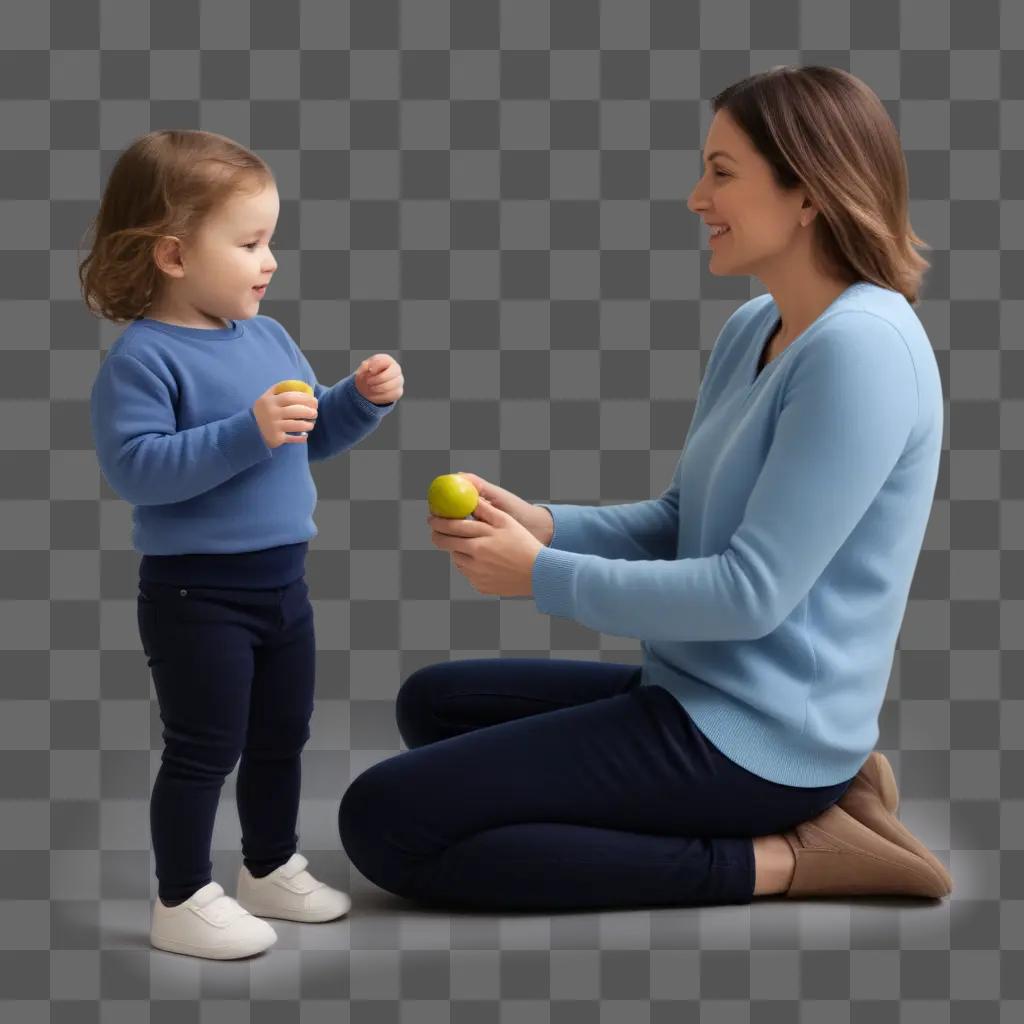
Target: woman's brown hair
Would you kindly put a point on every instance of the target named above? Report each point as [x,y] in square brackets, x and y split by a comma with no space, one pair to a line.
[825,129]
[165,183]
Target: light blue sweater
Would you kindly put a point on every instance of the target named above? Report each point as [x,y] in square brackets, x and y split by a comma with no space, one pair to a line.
[175,435]
[768,583]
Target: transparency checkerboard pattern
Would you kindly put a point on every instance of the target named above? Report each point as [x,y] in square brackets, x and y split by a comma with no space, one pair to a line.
[495,194]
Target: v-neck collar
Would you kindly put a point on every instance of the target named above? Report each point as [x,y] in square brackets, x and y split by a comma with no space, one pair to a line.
[771,321]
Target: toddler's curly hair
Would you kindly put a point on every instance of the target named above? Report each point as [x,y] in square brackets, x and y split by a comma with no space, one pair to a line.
[165,183]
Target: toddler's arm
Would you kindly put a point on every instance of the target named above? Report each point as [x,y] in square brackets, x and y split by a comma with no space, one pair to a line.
[144,458]
[344,416]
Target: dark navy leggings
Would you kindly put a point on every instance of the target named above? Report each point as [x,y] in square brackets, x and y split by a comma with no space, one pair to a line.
[234,673]
[535,784]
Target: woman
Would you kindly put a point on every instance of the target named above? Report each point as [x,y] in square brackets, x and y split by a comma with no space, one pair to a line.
[766,584]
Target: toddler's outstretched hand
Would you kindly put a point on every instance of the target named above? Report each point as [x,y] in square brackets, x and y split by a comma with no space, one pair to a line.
[379,379]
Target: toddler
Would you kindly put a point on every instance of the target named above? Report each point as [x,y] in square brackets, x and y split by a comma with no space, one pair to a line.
[189,430]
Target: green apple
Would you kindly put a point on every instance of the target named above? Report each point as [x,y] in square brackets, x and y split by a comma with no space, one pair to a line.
[451,496]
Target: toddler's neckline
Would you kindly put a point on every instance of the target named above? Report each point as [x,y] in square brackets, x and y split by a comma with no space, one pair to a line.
[200,333]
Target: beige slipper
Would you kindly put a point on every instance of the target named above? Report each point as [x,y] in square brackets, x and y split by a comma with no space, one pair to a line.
[836,855]
[873,799]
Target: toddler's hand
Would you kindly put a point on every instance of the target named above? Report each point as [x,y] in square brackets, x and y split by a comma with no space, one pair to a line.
[288,411]
[379,379]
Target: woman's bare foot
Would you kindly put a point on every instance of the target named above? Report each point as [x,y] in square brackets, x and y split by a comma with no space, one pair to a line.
[774,865]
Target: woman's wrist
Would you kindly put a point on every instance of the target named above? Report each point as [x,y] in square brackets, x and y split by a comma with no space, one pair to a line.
[544,528]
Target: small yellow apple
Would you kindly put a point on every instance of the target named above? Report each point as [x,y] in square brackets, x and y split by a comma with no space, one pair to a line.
[292,385]
[451,496]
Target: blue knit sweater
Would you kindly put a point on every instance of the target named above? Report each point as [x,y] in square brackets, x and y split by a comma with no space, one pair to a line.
[768,583]
[175,435]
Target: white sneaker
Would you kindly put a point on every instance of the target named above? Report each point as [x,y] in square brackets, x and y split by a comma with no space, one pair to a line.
[209,924]
[291,893]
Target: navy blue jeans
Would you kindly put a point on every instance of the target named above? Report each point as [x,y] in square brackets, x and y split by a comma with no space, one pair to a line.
[234,672]
[534,784]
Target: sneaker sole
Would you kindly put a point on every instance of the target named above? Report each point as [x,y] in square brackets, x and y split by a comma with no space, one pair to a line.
[308,917]
[224,952]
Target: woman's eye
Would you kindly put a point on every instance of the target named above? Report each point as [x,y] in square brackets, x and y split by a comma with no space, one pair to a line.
[721,174]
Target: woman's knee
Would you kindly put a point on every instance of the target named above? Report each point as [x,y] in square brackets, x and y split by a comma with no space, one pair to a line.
[414,705]
[355,816]
[366,820]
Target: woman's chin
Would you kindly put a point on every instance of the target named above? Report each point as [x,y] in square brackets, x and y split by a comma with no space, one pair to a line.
[720,268]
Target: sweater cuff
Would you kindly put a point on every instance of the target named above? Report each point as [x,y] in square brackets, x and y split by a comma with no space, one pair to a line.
[241,442]
[569,526]
[554,581]
[369,409]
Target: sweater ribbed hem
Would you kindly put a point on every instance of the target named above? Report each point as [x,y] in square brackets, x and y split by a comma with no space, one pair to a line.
[761,745]
[272,567]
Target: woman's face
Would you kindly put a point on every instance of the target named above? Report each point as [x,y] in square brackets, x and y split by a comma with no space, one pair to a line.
[737,190]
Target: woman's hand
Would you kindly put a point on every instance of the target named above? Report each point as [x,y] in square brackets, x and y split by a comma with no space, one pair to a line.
[379,379]
[492,550]
[535,518]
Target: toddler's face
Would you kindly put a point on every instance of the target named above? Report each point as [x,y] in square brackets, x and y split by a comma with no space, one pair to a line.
[231,256]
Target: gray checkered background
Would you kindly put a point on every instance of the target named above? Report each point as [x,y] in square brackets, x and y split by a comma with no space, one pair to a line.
[495,194]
